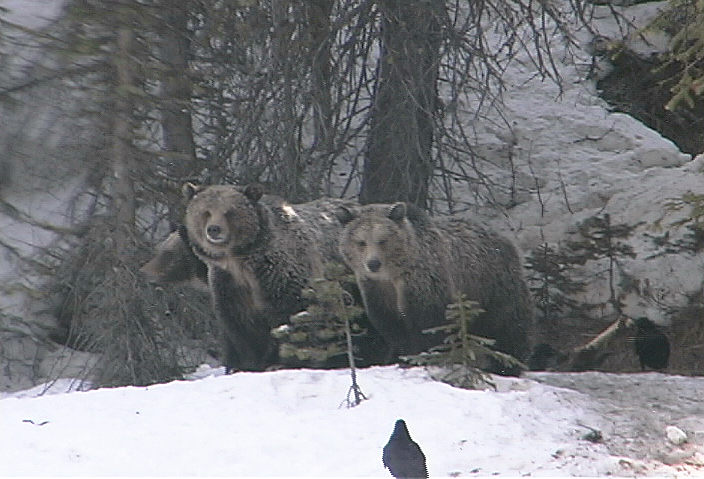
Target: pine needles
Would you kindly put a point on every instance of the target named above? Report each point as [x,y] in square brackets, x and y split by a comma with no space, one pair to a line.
[463,355]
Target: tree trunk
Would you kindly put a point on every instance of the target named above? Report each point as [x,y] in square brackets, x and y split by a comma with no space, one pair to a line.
[398,161]
[287,177]
[318,18]
[176,124]
[124,199]
[176,90]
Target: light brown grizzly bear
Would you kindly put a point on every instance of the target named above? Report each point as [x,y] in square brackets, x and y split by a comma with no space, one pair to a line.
[261,252]
[409,267]
[175,263]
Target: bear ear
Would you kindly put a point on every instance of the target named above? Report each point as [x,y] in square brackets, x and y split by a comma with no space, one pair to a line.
[189,190]
[344,215]
[397,211]
[253,192]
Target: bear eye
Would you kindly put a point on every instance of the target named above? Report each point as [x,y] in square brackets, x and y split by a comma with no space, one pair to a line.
[361,243]
[381,242]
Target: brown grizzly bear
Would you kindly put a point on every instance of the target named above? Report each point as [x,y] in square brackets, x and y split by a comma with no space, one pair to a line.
[261,253]
[175,263]
[409,267]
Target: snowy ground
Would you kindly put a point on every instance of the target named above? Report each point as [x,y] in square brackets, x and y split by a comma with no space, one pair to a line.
[291,423]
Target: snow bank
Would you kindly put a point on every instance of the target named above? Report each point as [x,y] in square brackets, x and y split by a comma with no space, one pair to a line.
[291,423]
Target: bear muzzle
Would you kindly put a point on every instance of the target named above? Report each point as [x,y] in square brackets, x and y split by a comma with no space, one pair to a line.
[374,265]
[216,234]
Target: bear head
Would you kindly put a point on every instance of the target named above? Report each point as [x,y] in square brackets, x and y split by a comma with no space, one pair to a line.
[375,241]
[223,221]
[175,263]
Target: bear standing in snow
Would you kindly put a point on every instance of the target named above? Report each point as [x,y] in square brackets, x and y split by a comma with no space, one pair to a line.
[409,267]
[261,252]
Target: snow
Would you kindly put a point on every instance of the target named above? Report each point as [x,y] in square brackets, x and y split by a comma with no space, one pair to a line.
[35,14]
[293,423]
[575,159]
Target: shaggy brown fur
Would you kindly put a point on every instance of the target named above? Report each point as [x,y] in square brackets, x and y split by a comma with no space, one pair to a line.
[175,263]
[409,266]
[261,253]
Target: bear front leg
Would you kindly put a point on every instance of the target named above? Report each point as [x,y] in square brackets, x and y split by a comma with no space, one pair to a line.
[247,341]
[241,348]
[380,305]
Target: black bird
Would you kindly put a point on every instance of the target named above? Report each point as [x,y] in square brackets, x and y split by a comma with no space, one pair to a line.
[652,346]
[403,457]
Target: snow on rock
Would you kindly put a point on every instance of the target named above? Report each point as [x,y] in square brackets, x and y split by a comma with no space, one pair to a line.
[290,423]
[575,160]
[675,435]
[655,204]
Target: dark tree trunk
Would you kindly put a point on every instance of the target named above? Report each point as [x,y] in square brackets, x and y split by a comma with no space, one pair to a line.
[176,90]
[398,163]
[175,93]
[318,18]
[287,176]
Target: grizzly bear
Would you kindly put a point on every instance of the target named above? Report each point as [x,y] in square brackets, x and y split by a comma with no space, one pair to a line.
[409,267]
[261,252]
[175,263]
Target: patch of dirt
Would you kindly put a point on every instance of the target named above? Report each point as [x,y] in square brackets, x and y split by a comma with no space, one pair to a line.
[636,410]
[617,355]
[640,87]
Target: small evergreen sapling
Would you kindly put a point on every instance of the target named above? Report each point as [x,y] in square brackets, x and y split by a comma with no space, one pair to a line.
[461,350]
[552,282]
[691,241]
[555,272]
[317,336]
[326,328]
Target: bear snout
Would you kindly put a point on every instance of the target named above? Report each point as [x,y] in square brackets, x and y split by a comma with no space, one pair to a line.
[374,265]
[215,234]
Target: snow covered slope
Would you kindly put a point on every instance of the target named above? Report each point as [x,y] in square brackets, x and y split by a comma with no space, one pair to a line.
[291,423]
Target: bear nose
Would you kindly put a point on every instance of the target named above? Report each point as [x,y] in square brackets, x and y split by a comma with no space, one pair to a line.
[214,233]
[374,265]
